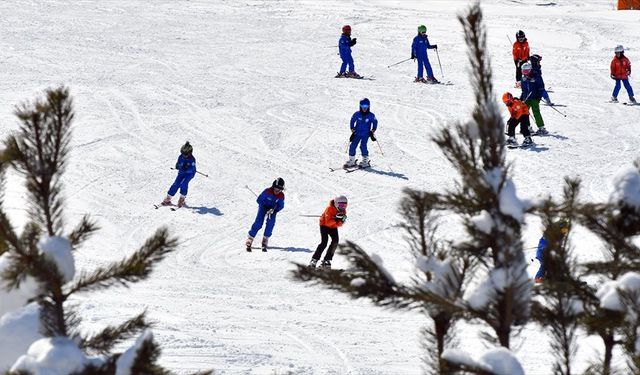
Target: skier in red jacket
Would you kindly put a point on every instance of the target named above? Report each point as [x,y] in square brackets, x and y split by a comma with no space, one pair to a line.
[620,71]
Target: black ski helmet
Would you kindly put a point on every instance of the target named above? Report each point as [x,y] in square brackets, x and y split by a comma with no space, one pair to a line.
[186,148]
[520,34]
[278,183]
[535,59]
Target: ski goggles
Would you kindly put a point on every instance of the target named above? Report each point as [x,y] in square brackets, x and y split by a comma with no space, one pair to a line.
[364,105]
[277,191]
[341,206]
[521,39]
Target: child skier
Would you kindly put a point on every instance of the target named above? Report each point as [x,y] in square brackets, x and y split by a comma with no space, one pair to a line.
[520,54]
[344,47]
[363,125]
[419,50]
[535,60]
[542,246]
[333,218]
[620,71]
[270,202]
[532,89]
[519,115]
[186,166]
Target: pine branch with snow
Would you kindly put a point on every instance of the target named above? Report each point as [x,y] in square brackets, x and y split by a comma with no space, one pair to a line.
[38,264]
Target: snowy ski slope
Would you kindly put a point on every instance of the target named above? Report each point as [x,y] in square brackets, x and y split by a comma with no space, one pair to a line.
[250,84]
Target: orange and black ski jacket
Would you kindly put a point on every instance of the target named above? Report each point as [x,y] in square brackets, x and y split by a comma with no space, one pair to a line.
[521,50]
[621,67]
[328,218]
[518,108]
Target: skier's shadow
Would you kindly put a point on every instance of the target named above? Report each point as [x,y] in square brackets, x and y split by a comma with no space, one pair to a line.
[202,210]
[390,174]
[291,249]
[536,148]
[557,136]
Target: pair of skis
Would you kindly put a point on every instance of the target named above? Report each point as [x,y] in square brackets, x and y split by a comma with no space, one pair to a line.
[349,169]
[172,206]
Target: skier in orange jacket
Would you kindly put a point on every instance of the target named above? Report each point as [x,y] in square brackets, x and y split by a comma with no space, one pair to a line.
[520,54]
[519,112]
[333,218]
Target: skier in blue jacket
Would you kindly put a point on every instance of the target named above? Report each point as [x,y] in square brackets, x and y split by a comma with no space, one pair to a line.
[419,51]
[532,92]
[344,47]
[186,166]
[363,125]
[537,73]
[270,202]
[542,247]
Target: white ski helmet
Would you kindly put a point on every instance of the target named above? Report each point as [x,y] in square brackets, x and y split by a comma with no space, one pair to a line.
[619,48]
[340,199]
[526,68]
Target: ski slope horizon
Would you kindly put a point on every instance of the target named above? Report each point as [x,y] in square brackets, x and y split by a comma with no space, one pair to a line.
[250,84]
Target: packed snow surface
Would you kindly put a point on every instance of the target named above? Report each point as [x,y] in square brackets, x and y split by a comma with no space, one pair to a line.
[250,84]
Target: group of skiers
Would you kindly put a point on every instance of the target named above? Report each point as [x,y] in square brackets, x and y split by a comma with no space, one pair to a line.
[363,125]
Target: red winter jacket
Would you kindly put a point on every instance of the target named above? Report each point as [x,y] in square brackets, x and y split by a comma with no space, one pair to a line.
[620,67]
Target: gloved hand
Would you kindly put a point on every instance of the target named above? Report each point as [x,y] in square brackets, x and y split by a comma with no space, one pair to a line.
[341,217]
[613,77]
[413,56]
[352,136]
[269,213]
[353,42]
[371,135]
[435,46]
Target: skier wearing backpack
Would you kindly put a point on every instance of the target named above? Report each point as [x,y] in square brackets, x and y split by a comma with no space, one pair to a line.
[186,166]
[270,202]
[620,71]
[532,89]
[520,54]
[363,126]
[419,49]
[563,224]
[344,48]
[333,218]
[519,115]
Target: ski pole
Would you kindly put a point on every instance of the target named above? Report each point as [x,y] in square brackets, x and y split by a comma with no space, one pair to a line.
[380,147]
[206,175]
[554,108]
[441,72]
[399,62]
[248,188]
[509,39]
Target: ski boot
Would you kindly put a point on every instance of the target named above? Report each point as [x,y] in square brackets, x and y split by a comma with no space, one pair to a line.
[248,243]
[542,131]
[341,75]
[350,163]
[538,280]
[313,263]
[181,201]
[549,102]
[265,243]
[511,141]
[527,142]
[632,100]
[354,75]
[613,99]
[365,162]
[326,265]
[420,79]
[167,201]
[432,80]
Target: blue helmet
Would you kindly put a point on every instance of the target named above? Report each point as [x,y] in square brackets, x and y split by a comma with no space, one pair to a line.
[365,103]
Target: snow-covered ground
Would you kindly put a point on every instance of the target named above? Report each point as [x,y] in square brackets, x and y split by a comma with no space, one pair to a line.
[250,84]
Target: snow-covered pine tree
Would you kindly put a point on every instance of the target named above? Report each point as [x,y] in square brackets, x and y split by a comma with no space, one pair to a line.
[492,214]
[611,312]
[42,257]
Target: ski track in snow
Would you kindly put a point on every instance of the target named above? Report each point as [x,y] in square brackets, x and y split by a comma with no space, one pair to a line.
[250,84]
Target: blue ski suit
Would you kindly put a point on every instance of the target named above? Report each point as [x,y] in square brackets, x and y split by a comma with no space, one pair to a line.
[532,87]
[542,246]
[344,47]
[419,50]
[267,201]
[186,166]
[362,124]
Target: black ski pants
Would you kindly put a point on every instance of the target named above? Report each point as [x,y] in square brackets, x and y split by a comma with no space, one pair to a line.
[518,70]
[524,126]
[325,233]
